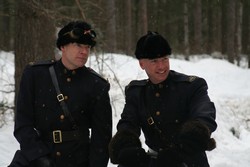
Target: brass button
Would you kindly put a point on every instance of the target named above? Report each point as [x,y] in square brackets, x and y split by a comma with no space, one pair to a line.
[160,86]
[58,153]
[62,117]
[66,97]
[157,113]
[68,79]
[157,94]
[73,72]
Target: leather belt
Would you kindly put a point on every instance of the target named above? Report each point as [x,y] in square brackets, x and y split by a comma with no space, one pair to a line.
[58,136]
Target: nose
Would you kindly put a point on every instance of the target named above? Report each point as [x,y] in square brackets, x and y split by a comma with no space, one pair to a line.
[84,49]
[161,64]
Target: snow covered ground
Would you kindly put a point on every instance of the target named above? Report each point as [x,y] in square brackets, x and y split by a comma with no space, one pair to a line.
[229,88]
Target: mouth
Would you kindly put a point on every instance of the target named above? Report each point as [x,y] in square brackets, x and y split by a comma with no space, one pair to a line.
[161,72]
[81,58]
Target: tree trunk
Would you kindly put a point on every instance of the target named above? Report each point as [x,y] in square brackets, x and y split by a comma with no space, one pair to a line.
[238,48]
[5,40]
[144,16]
[230,39]
[186,30]
[128,27]
[111,40]
[33,40]
[197,27]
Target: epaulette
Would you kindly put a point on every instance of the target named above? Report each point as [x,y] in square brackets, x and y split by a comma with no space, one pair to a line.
[137,83]
[44,62]
[96,74]
[187,78]
[192,78]
[184,78]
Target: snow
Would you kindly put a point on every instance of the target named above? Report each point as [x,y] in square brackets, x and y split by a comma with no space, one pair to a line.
[229,89]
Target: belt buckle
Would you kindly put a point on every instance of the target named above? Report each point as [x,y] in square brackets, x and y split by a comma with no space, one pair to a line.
[57,136]
[60,97]
[150,121]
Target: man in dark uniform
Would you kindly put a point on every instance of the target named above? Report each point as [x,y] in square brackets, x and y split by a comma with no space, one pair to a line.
[70,127]
[173,110]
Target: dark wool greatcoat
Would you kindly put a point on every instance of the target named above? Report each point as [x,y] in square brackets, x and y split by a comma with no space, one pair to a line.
[178,99]
[39,113]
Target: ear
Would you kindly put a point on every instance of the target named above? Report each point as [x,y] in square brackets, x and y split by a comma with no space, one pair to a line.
[62,48]
[142,64]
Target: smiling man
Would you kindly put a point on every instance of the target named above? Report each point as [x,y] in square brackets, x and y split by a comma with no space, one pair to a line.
[63,112]
[173,110]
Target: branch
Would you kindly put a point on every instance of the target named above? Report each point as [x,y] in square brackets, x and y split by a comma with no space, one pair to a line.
[81,10]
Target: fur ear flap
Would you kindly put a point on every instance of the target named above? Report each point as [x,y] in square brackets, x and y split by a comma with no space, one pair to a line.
[122,139]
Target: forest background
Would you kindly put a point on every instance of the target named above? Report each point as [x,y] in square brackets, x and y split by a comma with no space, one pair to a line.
[219,28]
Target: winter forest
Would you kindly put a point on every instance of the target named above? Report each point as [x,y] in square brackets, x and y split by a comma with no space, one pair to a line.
[199,31]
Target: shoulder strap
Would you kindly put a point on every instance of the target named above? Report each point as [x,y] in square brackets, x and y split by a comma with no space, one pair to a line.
[60,97]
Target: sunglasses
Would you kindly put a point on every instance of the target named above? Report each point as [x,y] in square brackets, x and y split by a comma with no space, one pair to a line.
[77,33]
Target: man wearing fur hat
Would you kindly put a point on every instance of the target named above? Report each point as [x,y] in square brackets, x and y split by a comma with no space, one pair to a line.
[59,102]
[173,110]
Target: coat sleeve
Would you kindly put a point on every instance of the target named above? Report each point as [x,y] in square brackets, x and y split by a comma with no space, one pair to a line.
[129,117]
[101,128]
[32,147]
[200,105]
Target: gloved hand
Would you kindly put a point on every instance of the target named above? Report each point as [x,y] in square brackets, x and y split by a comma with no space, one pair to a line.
[133,157]
[119,144]
[169,157]
[43,162]
[194,137]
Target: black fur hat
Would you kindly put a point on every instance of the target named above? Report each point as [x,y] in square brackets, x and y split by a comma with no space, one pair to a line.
[76,31]
[151,46]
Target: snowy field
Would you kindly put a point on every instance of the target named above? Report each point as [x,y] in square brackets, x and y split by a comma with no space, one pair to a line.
[229,88]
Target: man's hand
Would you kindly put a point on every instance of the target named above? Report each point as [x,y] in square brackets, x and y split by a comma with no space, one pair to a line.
[194,137]
[122,140]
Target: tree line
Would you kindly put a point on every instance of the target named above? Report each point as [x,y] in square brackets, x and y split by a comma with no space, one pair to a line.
[191,26]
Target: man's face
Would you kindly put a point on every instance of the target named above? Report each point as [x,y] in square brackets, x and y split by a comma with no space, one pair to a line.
[75,55]
[156,69]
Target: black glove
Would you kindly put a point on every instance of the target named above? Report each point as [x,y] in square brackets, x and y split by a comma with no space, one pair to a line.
[133,157]
[43,162]
[123,139]
[169,157]
[194,137]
